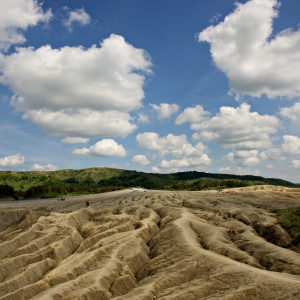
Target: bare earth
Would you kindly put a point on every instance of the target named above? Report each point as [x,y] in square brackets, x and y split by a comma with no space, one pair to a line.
[150,245]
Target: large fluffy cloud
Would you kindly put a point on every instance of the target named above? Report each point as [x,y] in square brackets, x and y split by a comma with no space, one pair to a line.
[82,122]
[289,147]
[192,115]
[65,91]
[256,62]
[238,128]
[140,160]
[165,110]
[12,161]
[292,113]
[16,15]
[103,148]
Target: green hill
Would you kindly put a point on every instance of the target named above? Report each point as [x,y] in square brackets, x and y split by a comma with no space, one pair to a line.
[95,180]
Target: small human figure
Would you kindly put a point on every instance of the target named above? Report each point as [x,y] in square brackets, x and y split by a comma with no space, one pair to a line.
[87,203]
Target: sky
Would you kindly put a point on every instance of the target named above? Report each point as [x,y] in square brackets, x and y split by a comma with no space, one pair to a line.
[153,86]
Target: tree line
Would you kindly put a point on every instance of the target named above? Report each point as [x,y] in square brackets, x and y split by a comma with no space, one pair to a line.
[213,184]
[52,191]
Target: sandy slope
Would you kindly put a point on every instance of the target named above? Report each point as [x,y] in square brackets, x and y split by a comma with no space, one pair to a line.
[150,245]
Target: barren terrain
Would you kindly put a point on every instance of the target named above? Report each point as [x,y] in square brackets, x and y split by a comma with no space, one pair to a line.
[150,245]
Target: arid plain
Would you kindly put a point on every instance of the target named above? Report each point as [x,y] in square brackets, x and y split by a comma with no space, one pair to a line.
[141,245]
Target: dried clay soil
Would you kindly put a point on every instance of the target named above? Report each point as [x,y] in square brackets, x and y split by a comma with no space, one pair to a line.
[150,245]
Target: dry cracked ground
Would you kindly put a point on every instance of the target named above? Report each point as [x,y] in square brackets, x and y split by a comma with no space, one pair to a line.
[150,245]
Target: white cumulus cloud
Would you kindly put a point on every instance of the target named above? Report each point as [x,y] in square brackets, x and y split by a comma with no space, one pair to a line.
[187,155]
[292,113]
[289,147]
[165,110]
[143,119]
[82,122]
[77,16]
[186,162]
[38,167]
[188,150]
[78,92]
[225,169]
[18,15]
[238,128]
[151,140]
[243,158]
[270,166]
[103,148]
[140,160]
[12,161]
[192,115]
[74,140]
[295,164]
[255,62]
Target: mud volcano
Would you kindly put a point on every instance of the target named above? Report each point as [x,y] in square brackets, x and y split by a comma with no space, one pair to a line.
[151,245]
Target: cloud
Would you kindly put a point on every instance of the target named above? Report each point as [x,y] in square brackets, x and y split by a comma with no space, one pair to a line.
[178,146]
[289,147]
[269,166]
[192,115]
[78,92]
[295,164]
[49,167]
[18,15]
[186,162]
[227,169]
[272,154]
[238,128]
[74,140]
[255,62]
[165,110]
[215,18]
[155,169]
[103,148]
[185,150]
[241,171]
[82,122]
[292,113]
[140,160]
[188,150]
[77,16]
[143,119]
[12,161]
[243,158]
[151,140]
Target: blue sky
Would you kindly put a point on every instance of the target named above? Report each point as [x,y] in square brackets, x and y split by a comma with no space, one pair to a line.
[153,86]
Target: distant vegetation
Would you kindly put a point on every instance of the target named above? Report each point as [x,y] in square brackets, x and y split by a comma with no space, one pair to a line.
[51,184]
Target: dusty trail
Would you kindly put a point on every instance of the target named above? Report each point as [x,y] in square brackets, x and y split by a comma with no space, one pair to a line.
[151,245]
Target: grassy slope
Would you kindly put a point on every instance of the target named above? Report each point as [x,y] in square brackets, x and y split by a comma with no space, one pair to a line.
[290,221]
[118,177]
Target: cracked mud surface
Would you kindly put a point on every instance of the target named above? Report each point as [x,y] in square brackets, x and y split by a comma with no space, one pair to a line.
[153,245]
